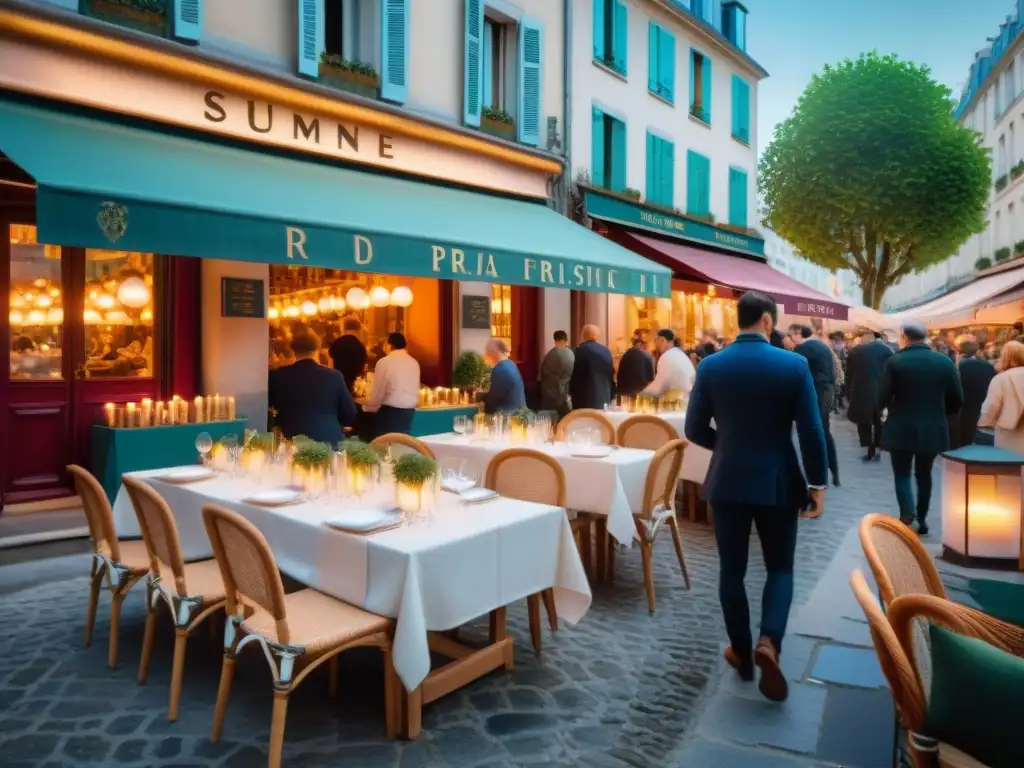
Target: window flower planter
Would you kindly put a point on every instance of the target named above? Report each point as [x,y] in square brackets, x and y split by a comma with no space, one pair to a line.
[352,76]
[1001,183]
[149,16]
[498,123]
[697,111]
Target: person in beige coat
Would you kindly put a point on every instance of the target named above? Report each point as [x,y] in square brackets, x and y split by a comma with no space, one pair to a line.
[1004,406]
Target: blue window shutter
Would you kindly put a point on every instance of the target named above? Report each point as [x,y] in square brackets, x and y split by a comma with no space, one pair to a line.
[698,183]
[706,88]
[740,108]
[311,36]
[667,64]
[618,173]
[599,22]
[620,27]
[705,186]
[691,181]
[693,80]
[653,60]
[486,73]
[531,42]
[737,197]
[651,169]
[473,69]
[736,116]
[597,139]
[394,50]
[745,109]
[188,19]
[667,196]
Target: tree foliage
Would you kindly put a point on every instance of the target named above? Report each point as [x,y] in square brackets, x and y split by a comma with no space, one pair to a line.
[872,173]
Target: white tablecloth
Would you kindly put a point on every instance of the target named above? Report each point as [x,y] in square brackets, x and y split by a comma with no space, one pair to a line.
[611,486]
[695,459]
[430,576]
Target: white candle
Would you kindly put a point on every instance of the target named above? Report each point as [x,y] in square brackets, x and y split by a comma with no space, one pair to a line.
[200,414]
[119,418]
[147,412]
[215,416]
[129,415]
[158,413]
[231,409]
[110,414]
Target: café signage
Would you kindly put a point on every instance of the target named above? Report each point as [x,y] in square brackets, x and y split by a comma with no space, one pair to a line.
[609,208]
[241,297]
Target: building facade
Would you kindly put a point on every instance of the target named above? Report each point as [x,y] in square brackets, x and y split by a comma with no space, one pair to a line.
[991,105]
[785,258]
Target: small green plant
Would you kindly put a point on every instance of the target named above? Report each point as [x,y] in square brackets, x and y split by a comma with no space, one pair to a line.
[471,371]
[983,263]
[335,61]
[359,454]
[413,469]
[698,111]
[1002,254]
[500,115]
[520,415]
[1001,183]
[310,454]
[146,6]
[259,441]
[1017,170]
[1018,247]
[632,194]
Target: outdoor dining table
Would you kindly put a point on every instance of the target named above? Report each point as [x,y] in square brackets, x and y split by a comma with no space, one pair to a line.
[432,575]
[695,459]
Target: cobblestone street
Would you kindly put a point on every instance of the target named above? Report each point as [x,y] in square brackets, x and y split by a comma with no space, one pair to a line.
[622,688]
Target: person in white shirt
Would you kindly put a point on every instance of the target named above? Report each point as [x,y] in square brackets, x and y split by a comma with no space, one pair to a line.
[675,371]
[396,389]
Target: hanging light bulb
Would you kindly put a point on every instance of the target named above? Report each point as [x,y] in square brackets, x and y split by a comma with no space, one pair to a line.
[16,317]
[274,313]
[402,296]
[40,282]
[146,316]
[17,301]
[35,317]
[380,296]
[55,316]
[326,304]
[30,297]
[308,308]
[291,311]
[54,292]
[357,298]
[118,317]
[338,303]
[92,317]
[105,301]
[43,300]
[133,293]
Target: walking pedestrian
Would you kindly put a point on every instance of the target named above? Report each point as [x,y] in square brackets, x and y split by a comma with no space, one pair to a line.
[555,372]
[636,368]
[920,388]
[975,376]
[823,363]
[753,393]
[864,366]
[592,384]
[1004,406]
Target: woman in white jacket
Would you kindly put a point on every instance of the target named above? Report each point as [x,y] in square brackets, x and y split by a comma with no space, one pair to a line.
[1004,405]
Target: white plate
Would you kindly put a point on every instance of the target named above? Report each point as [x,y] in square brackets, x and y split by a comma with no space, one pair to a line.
[362,520]
[477,495]
[590,451]
[457,484]
[188,475]
[275,497]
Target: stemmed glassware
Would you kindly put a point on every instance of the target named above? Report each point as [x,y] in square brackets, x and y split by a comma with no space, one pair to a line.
[234,451]
[204,444]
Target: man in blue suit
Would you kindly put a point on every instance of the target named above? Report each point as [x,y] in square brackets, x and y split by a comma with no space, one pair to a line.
[506,393]
[754,392]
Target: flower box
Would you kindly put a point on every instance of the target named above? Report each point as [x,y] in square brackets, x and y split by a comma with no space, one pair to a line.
[362,83]
[149,16]
[503,129]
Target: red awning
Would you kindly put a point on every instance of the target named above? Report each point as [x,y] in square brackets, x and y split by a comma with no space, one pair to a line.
[735,272]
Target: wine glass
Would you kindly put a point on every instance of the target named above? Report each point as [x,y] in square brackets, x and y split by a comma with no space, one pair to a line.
[460,425]
[234,450]
[457,475]
[204,444]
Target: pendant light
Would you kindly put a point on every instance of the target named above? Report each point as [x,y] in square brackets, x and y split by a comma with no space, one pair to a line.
[402,296]
[356,298]
[380,296]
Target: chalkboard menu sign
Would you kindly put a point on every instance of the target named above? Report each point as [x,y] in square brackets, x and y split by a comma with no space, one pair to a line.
[241,297]
[476,312]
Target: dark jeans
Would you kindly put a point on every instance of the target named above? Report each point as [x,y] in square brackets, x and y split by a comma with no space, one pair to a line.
[776,527]
[870,434]
[921,463]
[826,399]
[390,420]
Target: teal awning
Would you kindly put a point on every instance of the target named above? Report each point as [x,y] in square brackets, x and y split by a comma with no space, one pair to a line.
[106,185]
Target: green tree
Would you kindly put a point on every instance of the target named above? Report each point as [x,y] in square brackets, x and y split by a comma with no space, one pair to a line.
[872,173]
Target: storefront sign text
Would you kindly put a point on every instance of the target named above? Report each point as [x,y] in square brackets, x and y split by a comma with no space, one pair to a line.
[818,310]
[241,297]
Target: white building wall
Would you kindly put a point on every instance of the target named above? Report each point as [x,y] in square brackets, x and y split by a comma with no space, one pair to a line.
[628,99]
[783,257]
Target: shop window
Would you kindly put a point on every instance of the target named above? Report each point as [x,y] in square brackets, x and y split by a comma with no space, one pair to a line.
[498,53]
[700,86]
[349,30]
[36,307]
[118,314]
[608,152]
[501,313]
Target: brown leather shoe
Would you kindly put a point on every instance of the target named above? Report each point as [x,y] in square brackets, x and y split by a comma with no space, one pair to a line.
[745,667]
[773,683]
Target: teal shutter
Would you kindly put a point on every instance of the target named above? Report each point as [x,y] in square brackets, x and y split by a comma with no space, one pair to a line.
[472,65]
[652,169]
[653,59]
[706,88]
[597,139]
[618,173]
[693,78]
[531,41]
[311,36]
[737,197]
[620,29]
[667,65]
[394,50]
[740,109]
[599,21]
[486,73]
[188,19]
[667,194]
[698,184]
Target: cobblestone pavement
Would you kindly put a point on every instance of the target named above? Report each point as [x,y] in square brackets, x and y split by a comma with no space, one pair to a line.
[623,688]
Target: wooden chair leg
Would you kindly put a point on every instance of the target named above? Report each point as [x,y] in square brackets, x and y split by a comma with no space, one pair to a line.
[601,547]
[586,546]
[648,556]
[612,548]
[227,676]
[116,599]
[678,541]
[332,677]
[392,696]
[147,643]
[413,714]
[177,672]
[94,598]
[549,606]
[277,721]
[533,609]
[691,501]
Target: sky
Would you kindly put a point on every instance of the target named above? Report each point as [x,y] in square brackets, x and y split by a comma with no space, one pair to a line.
[794,39]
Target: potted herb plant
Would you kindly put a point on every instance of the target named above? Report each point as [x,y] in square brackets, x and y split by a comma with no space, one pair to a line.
[310,460]
[498,122]
[471,371]
[361,461]
[353,76]
[148,16]
[412,472]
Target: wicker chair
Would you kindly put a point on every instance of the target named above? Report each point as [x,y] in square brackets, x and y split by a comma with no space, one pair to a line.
[399,444]
[586,418]
[658,511]
[299,630]
[191,591]
[900,564]
[529,475]
[122,562]
[646,432]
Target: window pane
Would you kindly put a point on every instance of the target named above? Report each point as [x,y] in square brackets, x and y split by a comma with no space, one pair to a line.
[501,313]
[118,313]
[36,307]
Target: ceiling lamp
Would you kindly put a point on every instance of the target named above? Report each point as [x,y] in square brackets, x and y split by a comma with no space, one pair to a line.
[356,298]
[16,317]
[134,293]
[40,282]
[118,317]
[55,316]
[17,301]
[54,292]
[35,317]
[326,303]
[105,301]
[308,308]
[274,313]
[380,296]
[291,311]
[92,317]
[338,303]
[43,301]
[401,296]
[146,316]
